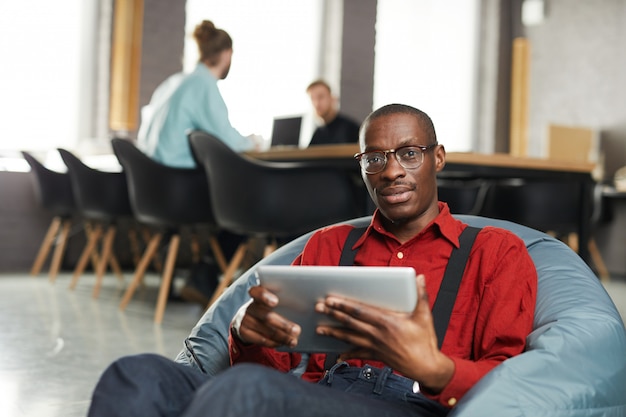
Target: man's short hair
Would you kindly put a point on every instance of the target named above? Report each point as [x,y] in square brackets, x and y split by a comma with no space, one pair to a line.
[424,120]
[319,82]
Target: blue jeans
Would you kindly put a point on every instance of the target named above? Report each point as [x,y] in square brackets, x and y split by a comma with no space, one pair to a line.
[145,385]
[149,385]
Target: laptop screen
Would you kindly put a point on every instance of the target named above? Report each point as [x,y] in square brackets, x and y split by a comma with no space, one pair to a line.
[286,131]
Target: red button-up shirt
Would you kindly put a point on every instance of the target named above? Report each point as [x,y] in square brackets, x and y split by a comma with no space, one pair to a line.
[494,308]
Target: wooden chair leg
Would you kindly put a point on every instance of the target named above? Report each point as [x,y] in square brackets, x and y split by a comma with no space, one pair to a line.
[60,250]
[166,280]
[194,245]
[598,261]
[156,260]
[218,253]
[270,247]
[572,241]
[46,245]
[134,246]
[153,246]
[115,266]
[227,278]
[94,255]
[90,247]
[107,248]
[596,256]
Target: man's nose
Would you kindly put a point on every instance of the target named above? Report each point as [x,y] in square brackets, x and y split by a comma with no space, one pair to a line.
[392,167]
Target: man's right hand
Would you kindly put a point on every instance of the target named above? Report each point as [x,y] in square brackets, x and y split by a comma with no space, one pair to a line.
[259,324]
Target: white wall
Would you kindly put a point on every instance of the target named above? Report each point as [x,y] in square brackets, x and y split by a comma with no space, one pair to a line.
[426,57]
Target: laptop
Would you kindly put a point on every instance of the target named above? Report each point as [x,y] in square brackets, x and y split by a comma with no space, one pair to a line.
[286,131]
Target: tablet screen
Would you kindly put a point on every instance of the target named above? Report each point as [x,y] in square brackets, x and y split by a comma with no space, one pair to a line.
[299,287]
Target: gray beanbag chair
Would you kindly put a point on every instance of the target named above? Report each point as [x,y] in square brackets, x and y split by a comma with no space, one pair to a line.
[575,363]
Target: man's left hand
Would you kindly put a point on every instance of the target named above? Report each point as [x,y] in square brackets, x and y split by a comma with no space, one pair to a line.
[404,341]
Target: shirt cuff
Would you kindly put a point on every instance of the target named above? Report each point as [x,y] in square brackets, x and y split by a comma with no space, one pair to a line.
[464,378]
[237,348]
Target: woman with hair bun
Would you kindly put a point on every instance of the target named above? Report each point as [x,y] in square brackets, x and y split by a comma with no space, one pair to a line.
[185,102]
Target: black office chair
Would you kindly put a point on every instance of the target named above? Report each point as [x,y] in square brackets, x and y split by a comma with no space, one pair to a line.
[542,205]
[102,199]
[167,199]
[550,206]
[53,191]
[269,200]
[463,196]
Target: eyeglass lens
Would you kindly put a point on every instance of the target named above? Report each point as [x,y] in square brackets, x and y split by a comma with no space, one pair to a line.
[408,157]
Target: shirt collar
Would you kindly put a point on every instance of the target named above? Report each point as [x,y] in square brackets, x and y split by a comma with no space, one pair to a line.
[203,69]
[444,224]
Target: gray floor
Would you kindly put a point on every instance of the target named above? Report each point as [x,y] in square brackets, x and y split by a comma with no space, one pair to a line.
[54,343]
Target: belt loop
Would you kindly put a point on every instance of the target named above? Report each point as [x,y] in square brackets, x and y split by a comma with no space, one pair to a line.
[381,380]
[331,372]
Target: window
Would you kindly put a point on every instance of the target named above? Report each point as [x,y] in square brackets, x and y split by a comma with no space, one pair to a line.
[426,54]
[276,55]
[44,101]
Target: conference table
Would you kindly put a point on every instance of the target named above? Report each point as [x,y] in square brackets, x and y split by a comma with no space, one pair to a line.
[466,166]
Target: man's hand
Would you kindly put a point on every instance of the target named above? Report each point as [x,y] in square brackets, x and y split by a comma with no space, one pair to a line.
[259,324]
[260,144]
[404,341]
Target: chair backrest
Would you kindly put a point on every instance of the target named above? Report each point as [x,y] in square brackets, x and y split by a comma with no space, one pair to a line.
[551,205]
[575,359]
[99,194]
[163,195]
[52,189]
[463,196]
[542,205]
[266,198]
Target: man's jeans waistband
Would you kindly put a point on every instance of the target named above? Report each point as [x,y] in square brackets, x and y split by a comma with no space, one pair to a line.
[383,384]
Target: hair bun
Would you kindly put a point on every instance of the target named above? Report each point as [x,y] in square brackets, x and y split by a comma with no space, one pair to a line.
[211,41]
[204,31]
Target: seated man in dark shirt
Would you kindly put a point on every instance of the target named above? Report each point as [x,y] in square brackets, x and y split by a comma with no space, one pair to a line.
[336,128]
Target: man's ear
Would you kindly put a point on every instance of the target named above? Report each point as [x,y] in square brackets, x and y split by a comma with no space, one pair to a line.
[440,157]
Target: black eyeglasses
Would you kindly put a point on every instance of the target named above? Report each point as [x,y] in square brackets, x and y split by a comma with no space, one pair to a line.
[409,157]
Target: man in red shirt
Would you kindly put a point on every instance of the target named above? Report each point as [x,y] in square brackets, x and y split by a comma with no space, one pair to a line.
[397,368]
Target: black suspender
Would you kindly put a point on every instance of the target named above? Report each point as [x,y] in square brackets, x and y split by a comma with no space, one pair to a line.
[442,309]
[347,259]
[347,253]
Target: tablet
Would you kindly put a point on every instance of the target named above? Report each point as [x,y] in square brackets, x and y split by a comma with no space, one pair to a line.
[299,287]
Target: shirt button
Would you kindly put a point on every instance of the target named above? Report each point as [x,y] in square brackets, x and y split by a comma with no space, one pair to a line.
[452,402]
[400,255]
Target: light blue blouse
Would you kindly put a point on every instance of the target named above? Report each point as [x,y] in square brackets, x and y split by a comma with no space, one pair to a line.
[182,103]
